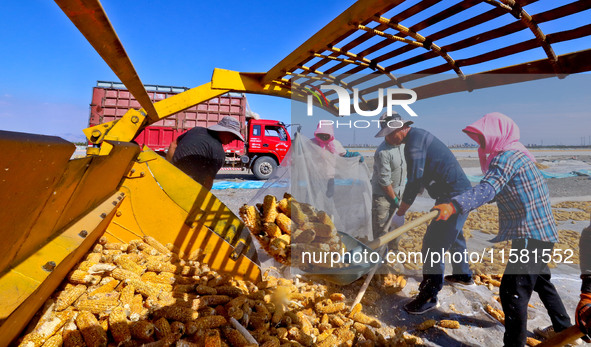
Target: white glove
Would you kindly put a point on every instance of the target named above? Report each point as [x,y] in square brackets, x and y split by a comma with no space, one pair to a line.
[397,221]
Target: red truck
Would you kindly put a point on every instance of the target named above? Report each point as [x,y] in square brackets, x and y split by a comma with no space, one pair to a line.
[267,141]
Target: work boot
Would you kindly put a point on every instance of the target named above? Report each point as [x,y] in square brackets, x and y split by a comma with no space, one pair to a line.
[421,304]
[465,280]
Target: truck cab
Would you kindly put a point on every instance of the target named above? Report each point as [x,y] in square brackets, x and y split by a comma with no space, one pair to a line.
[268,142]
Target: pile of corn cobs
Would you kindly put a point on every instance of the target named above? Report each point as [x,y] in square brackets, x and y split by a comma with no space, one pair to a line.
[288,227]
[143,293]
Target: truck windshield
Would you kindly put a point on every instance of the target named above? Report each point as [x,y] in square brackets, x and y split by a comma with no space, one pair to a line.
[276,132]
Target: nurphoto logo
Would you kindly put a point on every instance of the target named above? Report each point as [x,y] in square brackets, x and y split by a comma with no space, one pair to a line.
[345,100]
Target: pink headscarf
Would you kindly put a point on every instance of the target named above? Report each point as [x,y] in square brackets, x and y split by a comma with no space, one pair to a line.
[500,133]
[328,144]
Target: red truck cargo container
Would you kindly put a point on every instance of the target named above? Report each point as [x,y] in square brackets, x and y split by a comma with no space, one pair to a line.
[267,141]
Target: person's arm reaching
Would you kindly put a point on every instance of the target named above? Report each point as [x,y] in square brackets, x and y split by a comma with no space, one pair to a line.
[171,150]
[463,203]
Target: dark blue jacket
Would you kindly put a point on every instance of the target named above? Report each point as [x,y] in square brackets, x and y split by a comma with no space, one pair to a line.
[430,164]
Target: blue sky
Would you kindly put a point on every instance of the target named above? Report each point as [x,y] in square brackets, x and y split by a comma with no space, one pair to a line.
[48,68]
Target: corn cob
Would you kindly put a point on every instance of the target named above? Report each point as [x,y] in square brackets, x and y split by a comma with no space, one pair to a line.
[324,218]
[68,296]
[279,244]
[98,248]
[146,289]
[160,266]
[93,258]
[284,206]
[304,236]
[148,250]
[426,324]
[83,277]
[177,328]
[115,246]
[329,341]
[123,275]
[136,310]
[234,337]
[177,313]
[269,209]
[184,288]
[251,218]
[156,245]
[106,287]
[118,325]
[142,330]
[297,215]
[212,338]
[127,264]
[284,223]
[98,306]
[205,290]
[363,318]
[210,300]
[210,322]
[450,324]
[162,328]
[49,326]
[85,265]
[126,296]
[92,332]
[299,336]
[323,230]
[54,341]
[72,337]
[272,230]
[230,290]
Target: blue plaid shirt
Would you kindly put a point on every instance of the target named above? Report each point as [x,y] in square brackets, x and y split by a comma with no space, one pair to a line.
[522,197]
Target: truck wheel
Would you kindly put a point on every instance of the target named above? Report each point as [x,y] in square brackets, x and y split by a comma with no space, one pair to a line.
[264,167]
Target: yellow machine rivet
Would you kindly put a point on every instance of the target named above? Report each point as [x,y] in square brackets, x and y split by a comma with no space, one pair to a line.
[142,174]
[96,133]
[118,214]
[135,119]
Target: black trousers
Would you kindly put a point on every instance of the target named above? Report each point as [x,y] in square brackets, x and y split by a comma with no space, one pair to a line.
[518,283]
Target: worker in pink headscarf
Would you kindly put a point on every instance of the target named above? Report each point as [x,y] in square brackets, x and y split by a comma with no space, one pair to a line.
[324,138]
[525,217]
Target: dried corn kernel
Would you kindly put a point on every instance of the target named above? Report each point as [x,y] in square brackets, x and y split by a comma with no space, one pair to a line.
[210,300]
[234,337]
[177,328]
